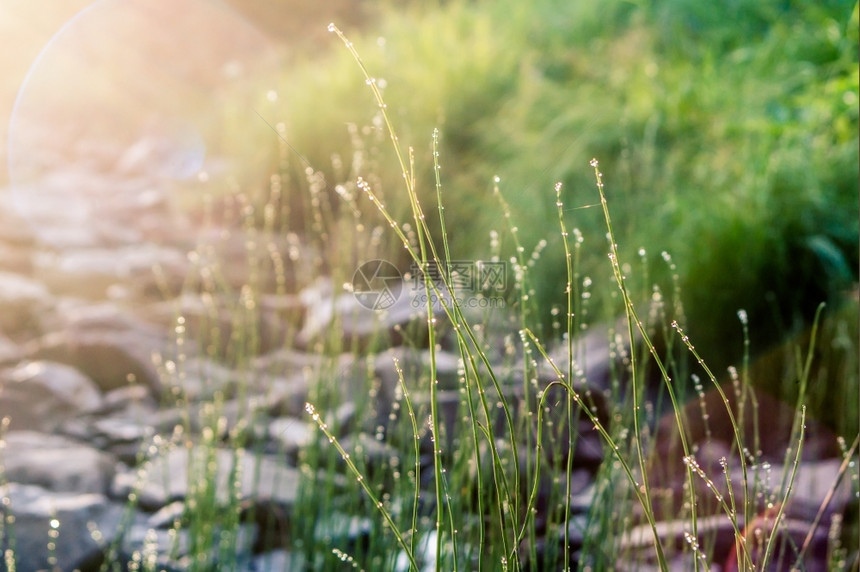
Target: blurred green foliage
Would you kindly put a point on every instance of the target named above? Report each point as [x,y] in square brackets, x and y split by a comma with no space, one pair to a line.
[727,134]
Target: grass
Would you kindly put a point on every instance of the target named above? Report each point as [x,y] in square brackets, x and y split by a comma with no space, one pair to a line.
[651,91]
[488,486]
[513,522]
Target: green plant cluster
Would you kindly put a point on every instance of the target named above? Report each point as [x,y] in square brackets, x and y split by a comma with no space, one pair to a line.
[729,134]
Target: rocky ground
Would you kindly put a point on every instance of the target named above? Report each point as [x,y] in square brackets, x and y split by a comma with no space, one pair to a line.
[96,389]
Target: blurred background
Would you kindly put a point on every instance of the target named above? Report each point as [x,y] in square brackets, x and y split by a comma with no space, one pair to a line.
[727,134]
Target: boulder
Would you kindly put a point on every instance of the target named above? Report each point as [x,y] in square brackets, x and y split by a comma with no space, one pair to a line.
[16,258]
[291,435]
[222,324]
[43,395]
[111,347]
[175,473]
[10,352]
[124,423]
[76,521]
[56,463]
[90,273]
[355,318]
[23,303]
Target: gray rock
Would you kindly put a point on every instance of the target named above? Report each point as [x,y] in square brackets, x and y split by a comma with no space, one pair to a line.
[56,463]
[23,302]
[277,560]
[291,435]
[66,382]
[14,229]
[171,547]
[220,323]
[111,347]
[285,362]
[43,395]
[415,365]
[286,396]
[76,519]
[133,401]
[10,352]
[200,379]
[171,475]
[89,273]
[324,308]
[16,258]
[123,425]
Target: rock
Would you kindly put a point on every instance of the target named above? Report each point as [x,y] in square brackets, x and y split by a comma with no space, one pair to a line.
[278,560]
[286,396]
[169,475]
[14,230]
[173,549]
[338,380]
[56,463]
[127,419]
[90,273]
[112,348]
[415,365]
[813,482]
[10,352]
[16,258]
[592,358]
[43,395]
[356,321]
[291,435]
[200,379]
[66,382]
[285,362]
[23,304]
[132,401]
[123,437]
[220,323]
[77,519]
[771,420]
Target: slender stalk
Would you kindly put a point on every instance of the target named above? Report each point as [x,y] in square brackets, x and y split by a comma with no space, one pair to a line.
[417,452]
[633,319]
[380,507]
[569,320]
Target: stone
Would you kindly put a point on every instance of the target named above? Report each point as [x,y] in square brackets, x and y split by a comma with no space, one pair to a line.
[355,321]
[200,379]
[14,229]
[770,420]
[219,323]
[90,273]
[43,395]
[66,382]
[286,396]
[592,358]
[123,425]
[291,434]
[76,519]
[16,258]
[278,560]
[168,475]
[23,303]
[56,463]
[111,347]
[415,365]
[814,483]
[10,352]
[134,401]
